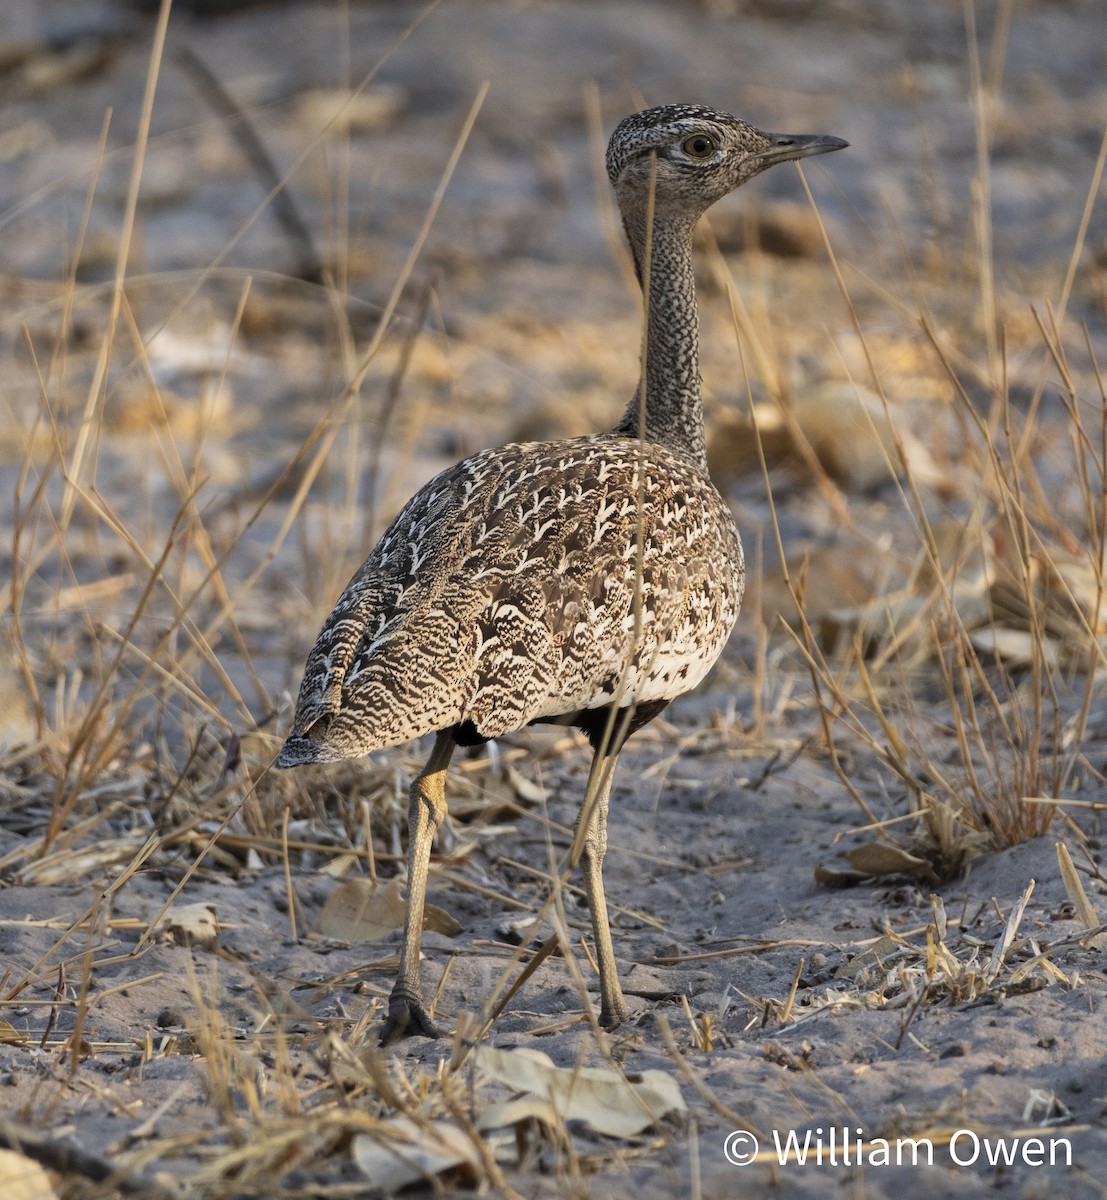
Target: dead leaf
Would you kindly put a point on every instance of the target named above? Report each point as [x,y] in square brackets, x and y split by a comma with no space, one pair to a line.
[10,1036]
[1064,597]
[829,877]
[882,858]
[609,1102]
[519,1112]
[50,68]
[360,910]
[22,1178]
[343,111]
[407,1153]
[526,789]
[17,716]
[849,576]
[845,427]
[848,429]
[1018,647]
[783,228]
[191,924]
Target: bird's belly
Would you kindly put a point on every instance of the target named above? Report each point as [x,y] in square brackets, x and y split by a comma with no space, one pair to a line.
[649,664]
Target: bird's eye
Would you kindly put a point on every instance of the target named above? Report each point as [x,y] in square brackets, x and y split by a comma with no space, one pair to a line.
[698,146]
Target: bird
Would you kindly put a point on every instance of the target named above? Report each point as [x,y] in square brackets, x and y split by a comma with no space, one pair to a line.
[585,582]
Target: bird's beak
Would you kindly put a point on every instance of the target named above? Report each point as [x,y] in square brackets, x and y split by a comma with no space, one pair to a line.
[783,147]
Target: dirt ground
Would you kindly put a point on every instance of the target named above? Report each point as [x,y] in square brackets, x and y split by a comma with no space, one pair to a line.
[841,898]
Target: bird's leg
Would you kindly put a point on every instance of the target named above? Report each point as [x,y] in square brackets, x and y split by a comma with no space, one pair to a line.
[589,847]
[407,1011]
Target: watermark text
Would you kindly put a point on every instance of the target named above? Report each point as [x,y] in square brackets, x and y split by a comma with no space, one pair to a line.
[834,1147]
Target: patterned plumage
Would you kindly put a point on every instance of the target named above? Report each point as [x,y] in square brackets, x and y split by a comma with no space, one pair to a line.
[504,594]
[555,581]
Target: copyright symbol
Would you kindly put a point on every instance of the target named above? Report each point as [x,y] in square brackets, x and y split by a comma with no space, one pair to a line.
[740,1147]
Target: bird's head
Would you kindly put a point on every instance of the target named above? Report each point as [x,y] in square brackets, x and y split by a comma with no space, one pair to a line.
[700,155]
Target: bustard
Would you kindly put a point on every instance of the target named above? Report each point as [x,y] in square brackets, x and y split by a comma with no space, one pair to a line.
[586,582]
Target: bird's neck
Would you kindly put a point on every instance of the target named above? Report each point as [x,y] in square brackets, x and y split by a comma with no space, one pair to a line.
[668,394]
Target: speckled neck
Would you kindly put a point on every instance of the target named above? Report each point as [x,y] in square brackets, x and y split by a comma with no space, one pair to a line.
[673,399]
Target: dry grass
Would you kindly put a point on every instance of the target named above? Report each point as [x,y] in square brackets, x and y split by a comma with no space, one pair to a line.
[1000,611]
[146,639]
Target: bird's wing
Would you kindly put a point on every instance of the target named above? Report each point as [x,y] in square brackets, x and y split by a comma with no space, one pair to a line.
[388,593]
[525,582]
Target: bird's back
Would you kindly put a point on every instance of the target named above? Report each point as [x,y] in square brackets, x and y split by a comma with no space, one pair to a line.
[527,582]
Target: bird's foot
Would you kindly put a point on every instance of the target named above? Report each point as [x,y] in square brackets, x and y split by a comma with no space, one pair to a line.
[407,1015]
[613,1011]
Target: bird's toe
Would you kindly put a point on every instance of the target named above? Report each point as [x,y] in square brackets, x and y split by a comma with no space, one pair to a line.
[407,1016]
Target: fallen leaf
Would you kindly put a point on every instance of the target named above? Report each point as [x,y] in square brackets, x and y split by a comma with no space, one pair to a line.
[781,227]
[526,789]
[22,1178]
[845,427]
[830,877]
[344,111]
[17,715]
[849,431]
[191,924]
[1018,647]
[360,910]
[407,1152]
[881,858]
[609,1102]
[518,1112]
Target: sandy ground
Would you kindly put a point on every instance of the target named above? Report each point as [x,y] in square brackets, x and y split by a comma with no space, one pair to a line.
[903,1005]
